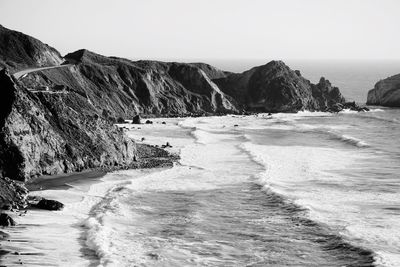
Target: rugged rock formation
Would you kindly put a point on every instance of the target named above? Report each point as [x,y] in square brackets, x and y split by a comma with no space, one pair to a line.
[49,133]
[12,194]
[69,126]
[6,220]
[49,204]
[125,88]
[386,92]
[274,87]
[136,119]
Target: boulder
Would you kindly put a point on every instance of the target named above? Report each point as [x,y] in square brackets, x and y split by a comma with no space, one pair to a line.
[48,204]
[136,119]
[120,120]
[149,122]
[6,220]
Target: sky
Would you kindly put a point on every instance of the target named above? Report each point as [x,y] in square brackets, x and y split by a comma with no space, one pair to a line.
[213,29]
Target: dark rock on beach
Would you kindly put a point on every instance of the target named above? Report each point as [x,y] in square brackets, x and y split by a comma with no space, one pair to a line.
[48,204]
[136,119]
[346,106]
[6,220]
[12,194]
[120,120]
[386,92]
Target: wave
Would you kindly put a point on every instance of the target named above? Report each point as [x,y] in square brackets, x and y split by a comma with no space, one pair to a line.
[376,110]
[330,131]
[378,118]
[99,233]
[348,139]
[330,241]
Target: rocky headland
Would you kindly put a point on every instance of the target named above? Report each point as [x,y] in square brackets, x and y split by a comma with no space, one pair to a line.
[386,92]
[62,120]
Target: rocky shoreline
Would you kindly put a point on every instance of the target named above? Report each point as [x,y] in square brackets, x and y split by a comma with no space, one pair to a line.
[62,120]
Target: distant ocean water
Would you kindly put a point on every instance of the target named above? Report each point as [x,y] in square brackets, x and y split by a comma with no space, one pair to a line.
[305,189]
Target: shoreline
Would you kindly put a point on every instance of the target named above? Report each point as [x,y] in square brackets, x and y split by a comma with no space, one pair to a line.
[62,181]
[15,246]
[27,242]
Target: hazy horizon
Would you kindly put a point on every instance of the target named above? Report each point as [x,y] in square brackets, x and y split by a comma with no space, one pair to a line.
[182,30]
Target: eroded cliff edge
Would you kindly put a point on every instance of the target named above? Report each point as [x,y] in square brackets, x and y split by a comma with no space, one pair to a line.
[42,134]
[386,92]
[62,120]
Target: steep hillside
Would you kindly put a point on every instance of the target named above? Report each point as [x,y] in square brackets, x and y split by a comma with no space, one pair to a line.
[45,134]
[18,51]
[127,88]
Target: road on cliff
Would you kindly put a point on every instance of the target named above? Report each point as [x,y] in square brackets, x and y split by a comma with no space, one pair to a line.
[21,73]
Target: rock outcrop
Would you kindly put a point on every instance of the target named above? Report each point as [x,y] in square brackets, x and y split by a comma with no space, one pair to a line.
[274,87]
[13,194]
[49,204]
[51,133]
[386,92]
[6,220]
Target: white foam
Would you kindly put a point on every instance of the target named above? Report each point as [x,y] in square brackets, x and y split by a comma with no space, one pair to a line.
[376,110]
[310,178]
[351,140]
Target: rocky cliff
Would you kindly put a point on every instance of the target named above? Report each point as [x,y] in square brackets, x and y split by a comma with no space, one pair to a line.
[44,133]
[386,92]
[62,120]
[274,87]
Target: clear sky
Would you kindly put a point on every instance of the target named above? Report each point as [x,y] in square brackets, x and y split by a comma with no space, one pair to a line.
[213,29]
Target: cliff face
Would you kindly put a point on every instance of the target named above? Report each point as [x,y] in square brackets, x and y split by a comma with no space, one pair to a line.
[45,133]
[70,127]
[274,87]
[125,88]
[386,92]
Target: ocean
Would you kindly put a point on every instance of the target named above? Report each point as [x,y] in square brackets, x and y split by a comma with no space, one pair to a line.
[305,189]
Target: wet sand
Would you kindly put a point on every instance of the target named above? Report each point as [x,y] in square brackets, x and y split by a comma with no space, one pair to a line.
[63,181]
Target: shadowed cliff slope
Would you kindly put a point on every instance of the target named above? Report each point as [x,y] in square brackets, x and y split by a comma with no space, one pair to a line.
[18,51]
[44,134]
[274,87]
[386,92]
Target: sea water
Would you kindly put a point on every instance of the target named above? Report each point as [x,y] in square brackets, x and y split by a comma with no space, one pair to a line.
[305,189]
